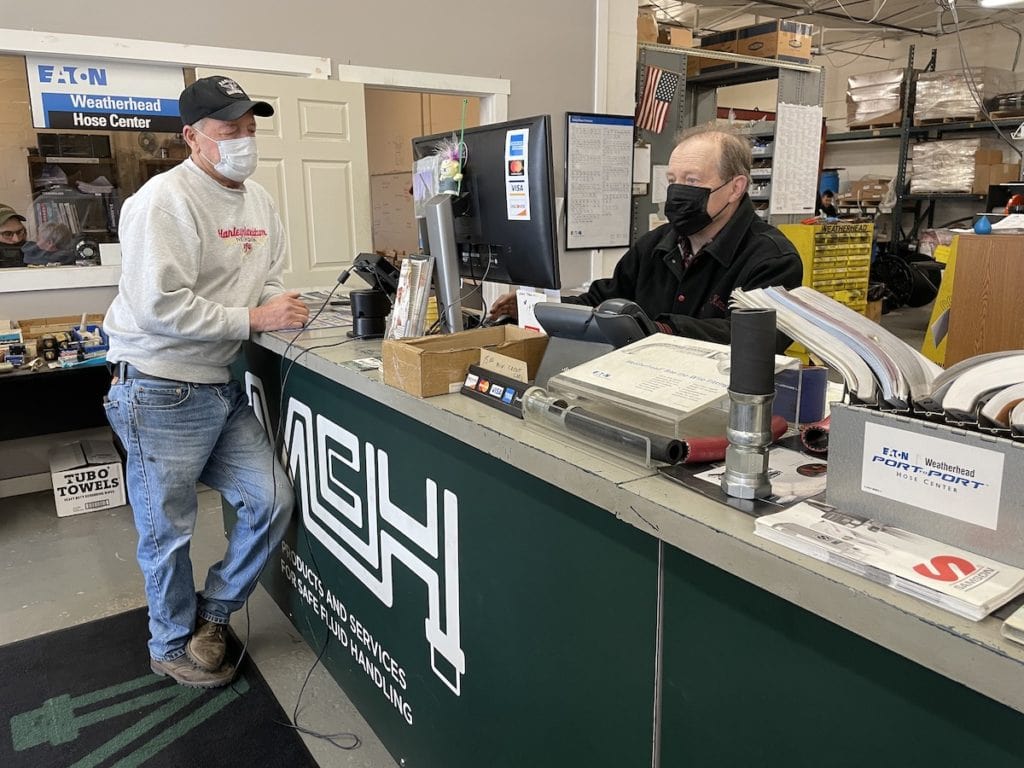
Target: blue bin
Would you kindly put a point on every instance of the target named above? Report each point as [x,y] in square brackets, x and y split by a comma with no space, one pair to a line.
[829,180]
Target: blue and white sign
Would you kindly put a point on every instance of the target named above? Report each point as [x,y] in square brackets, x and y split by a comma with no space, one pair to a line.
[92,94]
[963,482]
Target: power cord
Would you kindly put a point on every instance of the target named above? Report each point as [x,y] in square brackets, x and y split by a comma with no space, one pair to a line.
[284,374]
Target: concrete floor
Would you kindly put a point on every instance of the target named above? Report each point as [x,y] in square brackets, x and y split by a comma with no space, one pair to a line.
[59,572]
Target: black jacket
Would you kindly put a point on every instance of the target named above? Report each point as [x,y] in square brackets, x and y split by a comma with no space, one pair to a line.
[748,253]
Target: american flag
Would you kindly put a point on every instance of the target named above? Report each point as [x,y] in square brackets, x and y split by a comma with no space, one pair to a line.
[658,92]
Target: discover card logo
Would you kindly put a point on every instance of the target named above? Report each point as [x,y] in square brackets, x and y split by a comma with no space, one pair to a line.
[938,475]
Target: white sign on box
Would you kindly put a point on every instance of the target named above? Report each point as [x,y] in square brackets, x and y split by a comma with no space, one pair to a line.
[86,476]
[959,481]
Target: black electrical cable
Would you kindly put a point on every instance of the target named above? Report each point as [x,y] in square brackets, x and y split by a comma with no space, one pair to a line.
[284,375]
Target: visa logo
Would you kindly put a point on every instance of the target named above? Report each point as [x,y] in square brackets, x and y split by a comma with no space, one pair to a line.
[65,75]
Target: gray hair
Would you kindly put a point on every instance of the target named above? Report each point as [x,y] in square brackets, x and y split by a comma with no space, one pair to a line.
[734,156]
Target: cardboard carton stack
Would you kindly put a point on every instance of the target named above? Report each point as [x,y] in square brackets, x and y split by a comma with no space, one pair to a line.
[865,192]
[989,168]
[943,166]
[947,96]
[875,99]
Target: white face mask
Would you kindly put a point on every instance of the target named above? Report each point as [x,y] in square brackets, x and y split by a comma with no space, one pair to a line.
[238,157]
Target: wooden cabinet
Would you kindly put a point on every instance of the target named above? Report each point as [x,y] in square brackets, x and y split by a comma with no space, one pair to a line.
[985,313]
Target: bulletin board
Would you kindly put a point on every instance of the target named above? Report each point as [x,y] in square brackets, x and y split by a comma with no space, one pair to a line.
[598,180]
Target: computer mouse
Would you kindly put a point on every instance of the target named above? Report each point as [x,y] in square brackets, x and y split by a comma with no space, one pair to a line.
[501,320]
[345,302]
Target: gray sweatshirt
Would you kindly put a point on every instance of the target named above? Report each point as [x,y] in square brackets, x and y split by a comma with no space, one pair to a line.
[195,257]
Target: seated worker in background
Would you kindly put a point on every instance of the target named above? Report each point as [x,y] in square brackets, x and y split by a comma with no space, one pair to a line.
[826,204]
[53,245]
[12,236]
[682,273]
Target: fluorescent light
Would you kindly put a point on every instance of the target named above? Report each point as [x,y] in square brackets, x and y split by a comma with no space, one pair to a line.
[999,3]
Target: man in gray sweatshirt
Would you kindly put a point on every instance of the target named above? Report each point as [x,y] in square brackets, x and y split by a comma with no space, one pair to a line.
[203,251]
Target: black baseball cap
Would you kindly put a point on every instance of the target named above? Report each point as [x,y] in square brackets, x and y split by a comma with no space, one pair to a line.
[219,97]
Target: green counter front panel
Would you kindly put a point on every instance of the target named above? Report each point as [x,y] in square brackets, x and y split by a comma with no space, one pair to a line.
[475,615]
[752,680]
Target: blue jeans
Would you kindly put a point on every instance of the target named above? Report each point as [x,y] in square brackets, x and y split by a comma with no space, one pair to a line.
[176,434]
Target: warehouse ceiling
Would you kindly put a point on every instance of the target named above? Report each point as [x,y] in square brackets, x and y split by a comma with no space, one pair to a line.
[840,20]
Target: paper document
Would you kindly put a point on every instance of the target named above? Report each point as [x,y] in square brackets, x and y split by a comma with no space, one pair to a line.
[948,577]
[675,373]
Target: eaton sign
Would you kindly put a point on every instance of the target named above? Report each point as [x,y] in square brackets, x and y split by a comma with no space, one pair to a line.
[69,75]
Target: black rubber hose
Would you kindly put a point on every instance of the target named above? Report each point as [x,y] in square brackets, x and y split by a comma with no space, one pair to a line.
[622,437]
[752,362]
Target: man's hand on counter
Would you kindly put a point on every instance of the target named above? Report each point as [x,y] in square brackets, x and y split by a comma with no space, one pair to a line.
[284,311]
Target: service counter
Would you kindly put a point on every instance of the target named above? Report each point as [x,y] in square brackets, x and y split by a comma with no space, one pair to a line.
[492,596]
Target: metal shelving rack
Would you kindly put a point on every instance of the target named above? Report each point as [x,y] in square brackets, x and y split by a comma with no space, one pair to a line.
[922,204]
[696,102]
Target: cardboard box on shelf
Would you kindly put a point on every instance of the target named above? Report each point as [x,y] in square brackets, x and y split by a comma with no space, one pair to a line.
[431,365]
[988,156]
[981,179]
[646,25]
[724,42]
[1001,173]
[782,40]
[679,37]
[86,476]
[867,189]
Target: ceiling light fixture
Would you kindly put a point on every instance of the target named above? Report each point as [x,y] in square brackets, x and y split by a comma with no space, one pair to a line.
[999,3]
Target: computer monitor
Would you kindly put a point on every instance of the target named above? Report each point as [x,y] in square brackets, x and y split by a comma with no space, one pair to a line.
[504,216]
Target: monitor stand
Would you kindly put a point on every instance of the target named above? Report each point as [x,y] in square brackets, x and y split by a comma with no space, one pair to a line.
[441,245]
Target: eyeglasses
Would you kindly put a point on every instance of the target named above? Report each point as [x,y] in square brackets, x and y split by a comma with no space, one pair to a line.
[13,234]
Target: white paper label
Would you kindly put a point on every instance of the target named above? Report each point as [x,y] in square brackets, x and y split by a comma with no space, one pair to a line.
[963,482]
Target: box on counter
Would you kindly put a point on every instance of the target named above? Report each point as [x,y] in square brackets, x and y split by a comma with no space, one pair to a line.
[86,476]
[782,40]
[35,327]
[431,365]
[955,486]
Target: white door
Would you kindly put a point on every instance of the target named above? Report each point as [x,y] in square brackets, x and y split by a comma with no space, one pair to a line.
[313,162]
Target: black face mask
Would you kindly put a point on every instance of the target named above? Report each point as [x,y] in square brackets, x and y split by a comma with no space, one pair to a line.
[686,207]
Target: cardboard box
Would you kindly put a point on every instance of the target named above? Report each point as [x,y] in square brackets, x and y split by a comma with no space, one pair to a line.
[981,180]
[782,40]
[431,365]
[988,157]
[646,25]
[724,42]
[86,476]
[680,37]
[956,486]
[35,327]
[1001,173]
[868,189]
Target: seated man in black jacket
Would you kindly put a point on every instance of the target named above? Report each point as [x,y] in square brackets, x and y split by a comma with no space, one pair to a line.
[682,273]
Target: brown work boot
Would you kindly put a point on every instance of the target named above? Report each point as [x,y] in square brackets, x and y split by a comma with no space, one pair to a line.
[207,644]
[182,671]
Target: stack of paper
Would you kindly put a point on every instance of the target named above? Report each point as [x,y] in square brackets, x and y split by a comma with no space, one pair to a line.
[958,581]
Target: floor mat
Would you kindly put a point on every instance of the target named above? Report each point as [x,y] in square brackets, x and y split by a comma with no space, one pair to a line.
[84,697]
